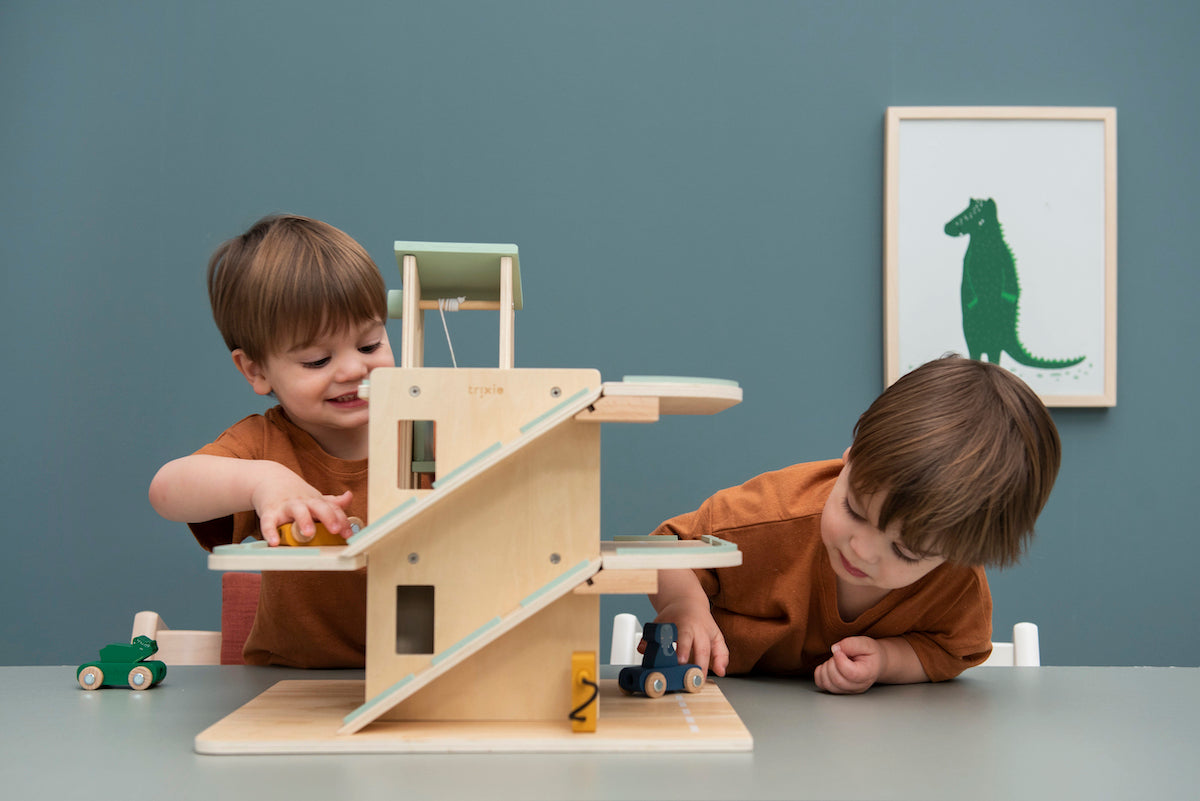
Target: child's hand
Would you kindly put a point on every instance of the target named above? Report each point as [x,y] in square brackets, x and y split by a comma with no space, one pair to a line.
[680,600]
[855,665]
[698,640]
[290,499]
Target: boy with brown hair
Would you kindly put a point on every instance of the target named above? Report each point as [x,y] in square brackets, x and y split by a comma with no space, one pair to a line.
[301,307]
[869,569]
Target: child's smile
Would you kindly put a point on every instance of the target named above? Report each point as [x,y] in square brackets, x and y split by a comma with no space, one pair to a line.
[317,385]
[348,401]
[851,569]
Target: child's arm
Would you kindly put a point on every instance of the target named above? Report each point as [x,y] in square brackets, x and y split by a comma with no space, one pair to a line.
[859,662]
[202,487]
[681,600]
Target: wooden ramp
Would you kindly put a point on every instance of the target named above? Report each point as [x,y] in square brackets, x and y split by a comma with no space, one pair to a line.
[304,717]
[255,555]
[669,396]
[472,644]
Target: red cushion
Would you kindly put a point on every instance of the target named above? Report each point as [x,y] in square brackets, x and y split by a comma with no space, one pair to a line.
[239,602]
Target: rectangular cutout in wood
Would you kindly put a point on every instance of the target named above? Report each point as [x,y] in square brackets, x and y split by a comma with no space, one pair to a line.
[418,462]
[414,619]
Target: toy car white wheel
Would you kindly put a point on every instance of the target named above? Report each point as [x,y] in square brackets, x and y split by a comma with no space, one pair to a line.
[91,678]
[693,680]
[140,678]
[655,684]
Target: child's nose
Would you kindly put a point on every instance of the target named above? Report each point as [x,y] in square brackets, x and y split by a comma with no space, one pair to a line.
[352,368]
[862,548]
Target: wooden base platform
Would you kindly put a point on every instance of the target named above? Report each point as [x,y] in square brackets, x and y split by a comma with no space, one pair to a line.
[302,717]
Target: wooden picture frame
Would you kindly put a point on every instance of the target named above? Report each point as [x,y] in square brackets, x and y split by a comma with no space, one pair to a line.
[1000,243]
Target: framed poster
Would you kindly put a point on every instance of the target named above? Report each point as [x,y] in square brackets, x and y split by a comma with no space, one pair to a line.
[1000,243]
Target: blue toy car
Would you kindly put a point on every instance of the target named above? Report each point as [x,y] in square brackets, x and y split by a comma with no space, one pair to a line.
[660,671]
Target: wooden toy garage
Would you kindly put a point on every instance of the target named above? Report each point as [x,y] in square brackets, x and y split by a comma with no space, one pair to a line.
[484,555]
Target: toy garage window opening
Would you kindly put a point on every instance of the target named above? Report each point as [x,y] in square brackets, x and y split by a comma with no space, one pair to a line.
[414,619]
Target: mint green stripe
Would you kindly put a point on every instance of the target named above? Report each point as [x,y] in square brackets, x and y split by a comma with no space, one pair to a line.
[486,452]
[644,537]
[259,548]
[553,410]
[527,600]
[677,379]
[377,700]
[458,646]
[383,521]
[238,547]
[714,544]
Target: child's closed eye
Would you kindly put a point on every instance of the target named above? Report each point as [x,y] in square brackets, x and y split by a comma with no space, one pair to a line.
[371,348]
[904,556]
[900,552]
[849,511]
[316,364]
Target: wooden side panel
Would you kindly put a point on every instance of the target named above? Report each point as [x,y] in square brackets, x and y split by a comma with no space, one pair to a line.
[509,533]
[474,408]
[525,675]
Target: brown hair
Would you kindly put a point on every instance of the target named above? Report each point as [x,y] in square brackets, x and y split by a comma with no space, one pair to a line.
[289,280]
[967,455]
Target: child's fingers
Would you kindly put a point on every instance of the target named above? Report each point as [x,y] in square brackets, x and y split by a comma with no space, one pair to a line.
[699,650]
[720,655]
[268,526]
[841,673]
[687,648]
[333,518]
[270,533]
[853,647]
[831,676]
[843,661]
[342,501]
[303,527]
[295,512]
[820,677]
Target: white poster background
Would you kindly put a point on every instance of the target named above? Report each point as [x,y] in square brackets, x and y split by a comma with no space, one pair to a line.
[1047,179]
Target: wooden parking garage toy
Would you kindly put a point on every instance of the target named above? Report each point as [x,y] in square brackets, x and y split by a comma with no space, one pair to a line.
[123,664]
[484,553]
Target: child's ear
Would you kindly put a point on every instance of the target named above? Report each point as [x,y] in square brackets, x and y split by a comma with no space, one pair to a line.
[252,371]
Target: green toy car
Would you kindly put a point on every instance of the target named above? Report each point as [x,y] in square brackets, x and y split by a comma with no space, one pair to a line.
[123,663]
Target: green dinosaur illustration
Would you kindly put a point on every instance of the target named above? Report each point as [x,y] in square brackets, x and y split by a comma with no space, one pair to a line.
[990,290]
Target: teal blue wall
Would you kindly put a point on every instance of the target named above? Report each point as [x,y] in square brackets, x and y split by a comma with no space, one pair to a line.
[696,189]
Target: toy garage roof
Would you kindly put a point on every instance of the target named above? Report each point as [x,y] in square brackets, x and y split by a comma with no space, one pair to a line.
[453,269]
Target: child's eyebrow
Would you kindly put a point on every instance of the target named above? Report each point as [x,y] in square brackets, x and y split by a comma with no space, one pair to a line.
[368,325]
[356,330]
[301,347]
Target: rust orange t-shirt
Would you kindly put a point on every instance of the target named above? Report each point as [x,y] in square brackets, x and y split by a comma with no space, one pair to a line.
[778,610]
[304,619]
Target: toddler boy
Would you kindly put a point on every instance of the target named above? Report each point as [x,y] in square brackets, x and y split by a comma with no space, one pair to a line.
[869,568]
[301,307]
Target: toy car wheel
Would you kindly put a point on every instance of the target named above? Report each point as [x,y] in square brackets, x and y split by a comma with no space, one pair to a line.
[91,678]
[693,680]
[654,685]
[140,678]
